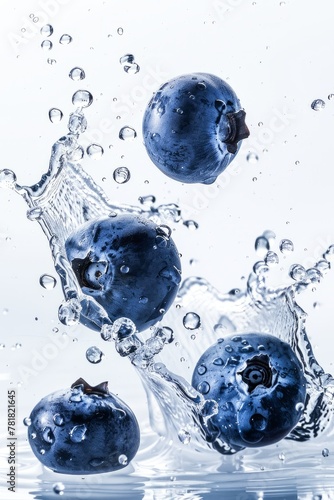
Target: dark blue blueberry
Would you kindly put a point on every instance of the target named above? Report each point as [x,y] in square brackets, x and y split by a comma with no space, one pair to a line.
[83,430]
[129,265]
[258,385]
[193,127]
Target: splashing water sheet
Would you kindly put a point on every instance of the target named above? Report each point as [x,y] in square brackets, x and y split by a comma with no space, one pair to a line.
[256,246]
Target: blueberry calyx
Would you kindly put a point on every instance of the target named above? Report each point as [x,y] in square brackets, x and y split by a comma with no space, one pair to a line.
[257,372]
[238,130]
[88,273]
[100,389]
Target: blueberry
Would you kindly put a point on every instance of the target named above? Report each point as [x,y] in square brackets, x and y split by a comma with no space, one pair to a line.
[83,430]
[193,126]
[129,265]
[258,385]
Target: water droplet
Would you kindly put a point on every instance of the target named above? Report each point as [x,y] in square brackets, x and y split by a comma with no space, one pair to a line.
[77,74]
[254,179]
[297,272]
[252,157]
[55,115]
[228,348]
[201,369]
[184,436]
[300,406]
[260,268]
[76,154]
[95,151]
[129,64]
[69,312]
[33,435]
[65,39]
[281,456]
[94,355]
[165,333]
[47,281]
[262,245]
[143,300]
[286,246]
[191,321]
[27,421]
[127,133]
[191,224]
[203,387]
[147,200]
[201,85]
[218,362]
[329,254]
[123,327]
[120,31]
[271,259]
[46,30]
[58,419]
[34,213]
[330,97]
[325,452]
[123,459]
[77,393]
[82,98]
[42,451]
[7,178]
[318,105]
[78,433]
[313,275]
[58,488]
[48,435]
[121,175]
[77,123]
[46,45]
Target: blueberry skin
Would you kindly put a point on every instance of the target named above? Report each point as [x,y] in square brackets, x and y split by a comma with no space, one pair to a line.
[129,265]
[193,127]
[83,430]
[257,381]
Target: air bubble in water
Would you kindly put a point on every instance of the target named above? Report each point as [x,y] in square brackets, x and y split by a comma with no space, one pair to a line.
[77,74]
[191,321]
[184,436]
[120,31]
[318,105]
[65,39]
[95,151]
[46,30]
[47,281]
[55,115]
[82,98]
[252,158]
[94,355]
[123,459]
[78,433]
[46,45]
[127,133]
[121,175]
[58,488]
[286,246]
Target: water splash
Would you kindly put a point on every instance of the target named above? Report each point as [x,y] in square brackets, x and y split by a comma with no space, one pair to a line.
[67,197]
